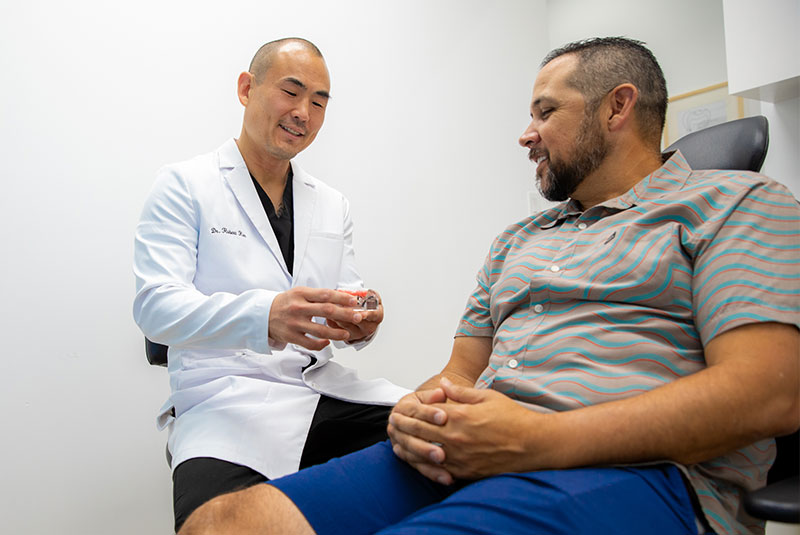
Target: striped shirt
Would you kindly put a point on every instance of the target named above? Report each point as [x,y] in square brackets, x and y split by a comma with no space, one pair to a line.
[591,306]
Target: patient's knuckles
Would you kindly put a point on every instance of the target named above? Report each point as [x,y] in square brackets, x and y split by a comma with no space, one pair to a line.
[406,406]
[458,440]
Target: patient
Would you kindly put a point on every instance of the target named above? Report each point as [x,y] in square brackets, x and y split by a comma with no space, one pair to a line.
[622,363]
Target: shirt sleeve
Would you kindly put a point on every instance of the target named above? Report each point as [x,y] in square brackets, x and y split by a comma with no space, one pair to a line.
[746,257]
[477,318]
[167,307]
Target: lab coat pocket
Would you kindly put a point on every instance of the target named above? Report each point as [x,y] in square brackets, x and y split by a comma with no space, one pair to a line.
[165,416]
[188,398]
[322,262]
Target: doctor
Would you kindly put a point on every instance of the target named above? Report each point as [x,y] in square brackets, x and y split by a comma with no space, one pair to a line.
[238,253]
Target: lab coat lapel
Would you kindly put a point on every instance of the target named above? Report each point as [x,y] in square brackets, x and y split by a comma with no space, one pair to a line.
[305,198]
[234,170]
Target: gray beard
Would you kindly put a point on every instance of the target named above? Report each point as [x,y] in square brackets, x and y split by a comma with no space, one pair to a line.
[563,178]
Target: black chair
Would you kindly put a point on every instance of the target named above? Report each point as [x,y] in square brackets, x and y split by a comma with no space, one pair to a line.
[742,144]
[780,499]
[156,353]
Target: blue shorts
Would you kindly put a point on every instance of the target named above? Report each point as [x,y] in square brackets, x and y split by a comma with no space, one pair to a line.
[372,491]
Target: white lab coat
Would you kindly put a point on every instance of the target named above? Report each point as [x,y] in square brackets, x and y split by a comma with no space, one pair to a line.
[207,268]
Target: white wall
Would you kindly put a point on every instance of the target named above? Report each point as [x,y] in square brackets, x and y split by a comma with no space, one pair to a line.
[686,36]
[429,99]
[771,31]
[783,158]
[759,30]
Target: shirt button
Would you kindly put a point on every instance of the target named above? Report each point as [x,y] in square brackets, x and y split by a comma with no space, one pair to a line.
[513,363]
[538,308]
[555,269]
[582,226]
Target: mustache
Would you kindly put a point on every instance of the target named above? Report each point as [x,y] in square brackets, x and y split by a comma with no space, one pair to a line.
[535,154]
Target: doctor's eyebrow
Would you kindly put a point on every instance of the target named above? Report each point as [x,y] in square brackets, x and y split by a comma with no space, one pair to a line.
[301,85]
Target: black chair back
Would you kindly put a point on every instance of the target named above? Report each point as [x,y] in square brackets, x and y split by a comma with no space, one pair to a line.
[780,499]
[156,353]
[740,144]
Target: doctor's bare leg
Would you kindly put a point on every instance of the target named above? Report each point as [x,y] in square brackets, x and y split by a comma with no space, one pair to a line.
[261,509]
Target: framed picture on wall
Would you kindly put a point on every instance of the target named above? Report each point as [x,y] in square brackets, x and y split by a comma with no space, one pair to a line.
[700,109]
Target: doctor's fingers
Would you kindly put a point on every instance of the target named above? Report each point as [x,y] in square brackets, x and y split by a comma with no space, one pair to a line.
[314,344]
[372,316]
[329,311]
[357,331]
[321,331]
[301,302]
[305,333]
[326,295]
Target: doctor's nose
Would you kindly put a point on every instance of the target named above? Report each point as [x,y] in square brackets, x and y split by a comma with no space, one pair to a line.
[300,112]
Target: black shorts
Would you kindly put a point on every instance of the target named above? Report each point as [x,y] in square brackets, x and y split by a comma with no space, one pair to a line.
[338,428]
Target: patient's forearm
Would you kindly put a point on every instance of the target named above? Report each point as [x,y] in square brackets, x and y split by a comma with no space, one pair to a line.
[469,357]
[750,391]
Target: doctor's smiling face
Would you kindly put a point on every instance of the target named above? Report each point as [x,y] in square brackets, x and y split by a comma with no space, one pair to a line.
[285,95]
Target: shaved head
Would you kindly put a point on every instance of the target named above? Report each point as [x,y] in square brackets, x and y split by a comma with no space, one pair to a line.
[263,59]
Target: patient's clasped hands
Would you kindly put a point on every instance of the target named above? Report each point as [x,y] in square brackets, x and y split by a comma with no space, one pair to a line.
[459,432]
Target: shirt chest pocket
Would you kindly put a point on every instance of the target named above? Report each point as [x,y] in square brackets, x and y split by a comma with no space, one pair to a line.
[635,265]
[321,264]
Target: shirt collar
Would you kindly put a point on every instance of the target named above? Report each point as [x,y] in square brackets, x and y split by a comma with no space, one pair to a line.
[671,176]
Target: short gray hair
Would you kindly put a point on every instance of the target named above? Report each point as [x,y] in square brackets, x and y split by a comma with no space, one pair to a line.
[606,62]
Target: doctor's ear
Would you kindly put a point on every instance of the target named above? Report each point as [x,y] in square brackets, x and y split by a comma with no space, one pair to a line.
[244,84]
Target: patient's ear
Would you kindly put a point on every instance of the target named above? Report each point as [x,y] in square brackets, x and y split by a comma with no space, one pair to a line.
[621,101]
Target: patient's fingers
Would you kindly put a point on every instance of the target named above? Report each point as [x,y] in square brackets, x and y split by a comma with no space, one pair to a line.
[416,427]
[423,456]
[416,405]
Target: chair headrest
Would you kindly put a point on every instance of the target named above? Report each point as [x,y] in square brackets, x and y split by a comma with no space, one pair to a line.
[739,144]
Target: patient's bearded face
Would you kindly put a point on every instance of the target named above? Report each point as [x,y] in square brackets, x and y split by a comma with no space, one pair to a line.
[564,174]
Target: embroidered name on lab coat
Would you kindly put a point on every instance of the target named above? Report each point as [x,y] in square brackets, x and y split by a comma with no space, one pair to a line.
[225,230]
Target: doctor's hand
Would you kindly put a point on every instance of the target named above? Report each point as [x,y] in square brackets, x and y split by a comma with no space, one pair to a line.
[370,319]
[292,312]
